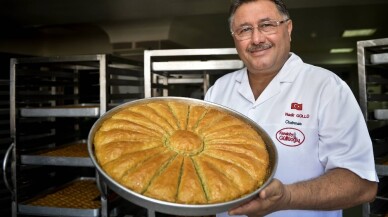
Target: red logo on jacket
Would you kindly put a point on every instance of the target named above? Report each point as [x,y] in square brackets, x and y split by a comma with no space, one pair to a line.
[291,137]
[297,106]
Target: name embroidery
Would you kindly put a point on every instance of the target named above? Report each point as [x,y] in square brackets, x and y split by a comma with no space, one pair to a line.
[297,115]
[293,123]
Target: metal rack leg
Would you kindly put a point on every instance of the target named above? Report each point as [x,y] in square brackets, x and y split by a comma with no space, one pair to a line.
[365,210]
[104,196]
[150,213]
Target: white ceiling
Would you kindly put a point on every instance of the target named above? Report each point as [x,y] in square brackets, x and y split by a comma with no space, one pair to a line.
[318,24]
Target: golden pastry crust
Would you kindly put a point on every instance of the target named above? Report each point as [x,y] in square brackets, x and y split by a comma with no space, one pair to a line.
[182,152]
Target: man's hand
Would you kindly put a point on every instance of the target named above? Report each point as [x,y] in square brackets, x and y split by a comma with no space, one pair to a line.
[336,189]
[272,198]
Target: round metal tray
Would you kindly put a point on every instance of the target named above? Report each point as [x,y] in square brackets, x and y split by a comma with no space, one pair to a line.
[175,208]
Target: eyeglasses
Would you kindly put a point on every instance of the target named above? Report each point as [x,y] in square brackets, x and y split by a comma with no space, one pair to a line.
[267,27]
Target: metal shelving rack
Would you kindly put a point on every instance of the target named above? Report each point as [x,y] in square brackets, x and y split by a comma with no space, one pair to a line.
[54,101]
[373,89]
[164,69]
[5,140]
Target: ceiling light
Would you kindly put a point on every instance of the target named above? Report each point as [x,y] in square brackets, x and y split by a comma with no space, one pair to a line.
[358,32]
[341,50]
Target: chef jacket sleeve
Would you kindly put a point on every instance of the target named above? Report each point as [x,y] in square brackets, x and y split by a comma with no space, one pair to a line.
[344,138]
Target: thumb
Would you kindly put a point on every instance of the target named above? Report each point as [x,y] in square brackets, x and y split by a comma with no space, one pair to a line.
[273,189]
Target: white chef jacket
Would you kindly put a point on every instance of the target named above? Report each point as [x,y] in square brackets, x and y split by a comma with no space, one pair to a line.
[313,118]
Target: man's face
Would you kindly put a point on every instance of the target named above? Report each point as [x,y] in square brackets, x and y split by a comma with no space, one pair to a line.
[270,57]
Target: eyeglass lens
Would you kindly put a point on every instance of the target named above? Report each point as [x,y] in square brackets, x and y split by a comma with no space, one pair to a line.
[267,27]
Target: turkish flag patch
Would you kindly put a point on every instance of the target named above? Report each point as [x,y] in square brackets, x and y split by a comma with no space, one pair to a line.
[297,106]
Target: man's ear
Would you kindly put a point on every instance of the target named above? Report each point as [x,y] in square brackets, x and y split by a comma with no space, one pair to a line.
[289,28]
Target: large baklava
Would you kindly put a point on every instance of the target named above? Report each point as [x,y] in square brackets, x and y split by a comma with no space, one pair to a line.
[182,152]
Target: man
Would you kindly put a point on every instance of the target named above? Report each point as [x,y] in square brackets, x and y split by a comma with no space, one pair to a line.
[325,152]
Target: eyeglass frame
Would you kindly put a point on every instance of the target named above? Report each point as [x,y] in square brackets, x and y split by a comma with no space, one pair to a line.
[278,23]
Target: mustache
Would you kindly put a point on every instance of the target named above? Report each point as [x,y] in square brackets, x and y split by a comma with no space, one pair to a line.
[259,47]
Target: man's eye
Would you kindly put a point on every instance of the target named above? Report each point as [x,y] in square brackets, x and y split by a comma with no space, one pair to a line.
[266,25]
[245,30]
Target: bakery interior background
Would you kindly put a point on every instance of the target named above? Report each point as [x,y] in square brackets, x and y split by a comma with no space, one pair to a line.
[62,27]
[128,27]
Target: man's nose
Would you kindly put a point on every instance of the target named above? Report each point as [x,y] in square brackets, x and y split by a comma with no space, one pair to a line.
[257,36]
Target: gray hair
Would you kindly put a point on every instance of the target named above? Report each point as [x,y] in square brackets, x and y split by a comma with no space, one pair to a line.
[237,3]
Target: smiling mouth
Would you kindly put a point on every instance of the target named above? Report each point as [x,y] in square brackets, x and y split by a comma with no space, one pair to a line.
[259,47]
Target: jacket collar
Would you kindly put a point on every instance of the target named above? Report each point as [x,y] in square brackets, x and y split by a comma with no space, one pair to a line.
[287,74]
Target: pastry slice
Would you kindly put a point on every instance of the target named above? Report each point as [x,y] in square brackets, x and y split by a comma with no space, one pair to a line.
[218,187]
[180,111]
[104,137]
[257,168]
[207,121]
[231,131]
[225,121]
[190,187]
[164,110]
[140,177]
[117,168]
[165,185]
[196,113]
[154,116]
[139,119]
[114,150]
[111,124]
[240,177]
[235,139]
[257,151]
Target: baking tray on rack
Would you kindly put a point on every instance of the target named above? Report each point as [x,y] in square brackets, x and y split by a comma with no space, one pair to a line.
[379,207]
[381,114]
[382,166]
[379,58]
[78,198]
[382,169]
[81,110]
[380,147]
[73,154]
